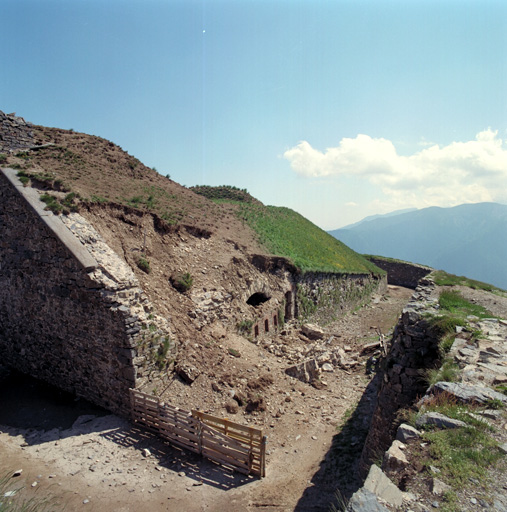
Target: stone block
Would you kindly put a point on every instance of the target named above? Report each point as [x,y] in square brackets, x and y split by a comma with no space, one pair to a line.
[406,433]
[380,485]
[394,458]
[439,420]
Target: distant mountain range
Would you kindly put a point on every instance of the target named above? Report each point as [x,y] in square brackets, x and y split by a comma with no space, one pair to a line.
[469,240]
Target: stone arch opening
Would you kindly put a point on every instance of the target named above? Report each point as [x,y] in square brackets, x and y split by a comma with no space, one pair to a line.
[266,325]
[257,299]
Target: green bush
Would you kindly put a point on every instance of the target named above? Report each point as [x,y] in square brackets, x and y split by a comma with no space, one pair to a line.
[245,326]
[143,264]
[182,282]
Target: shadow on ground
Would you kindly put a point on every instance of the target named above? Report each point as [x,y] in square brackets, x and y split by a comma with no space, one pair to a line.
[42,413]
[338,475]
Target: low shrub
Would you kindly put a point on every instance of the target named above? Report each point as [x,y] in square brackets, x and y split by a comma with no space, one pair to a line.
[182,281]
[143,264]
[245,326]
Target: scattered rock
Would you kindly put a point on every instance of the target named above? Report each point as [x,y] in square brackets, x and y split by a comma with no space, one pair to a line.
[439,420]
[312,331]
[371,347]
[327,367]
[380,485]
[394,458]
[468,393]
[439,488]
[232,407]
[187,372]
[406,432]
[305,372]
[364,500]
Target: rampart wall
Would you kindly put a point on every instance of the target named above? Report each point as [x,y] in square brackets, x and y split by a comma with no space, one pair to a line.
[71,312]
[321,297]
[414,349]
[401,273]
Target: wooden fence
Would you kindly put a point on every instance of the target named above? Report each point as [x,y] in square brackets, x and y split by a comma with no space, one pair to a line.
[229,443]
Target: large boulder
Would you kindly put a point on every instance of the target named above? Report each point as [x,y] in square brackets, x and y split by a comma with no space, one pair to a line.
[312,331]
[467,393]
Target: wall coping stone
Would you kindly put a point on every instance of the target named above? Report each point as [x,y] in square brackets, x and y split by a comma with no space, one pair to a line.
[52,221]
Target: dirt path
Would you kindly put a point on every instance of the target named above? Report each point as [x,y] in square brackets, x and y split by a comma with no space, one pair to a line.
[101,463]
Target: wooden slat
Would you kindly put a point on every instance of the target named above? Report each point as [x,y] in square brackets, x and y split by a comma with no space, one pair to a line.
[231,444]
[224,459]
[212,419]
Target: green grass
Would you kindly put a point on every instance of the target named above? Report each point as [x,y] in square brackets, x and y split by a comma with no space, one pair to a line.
[448,372]
[460,453]
[442,278]
[454,312]
[52,203]
[456,304]
[244,327]
[286,233]
[18,503]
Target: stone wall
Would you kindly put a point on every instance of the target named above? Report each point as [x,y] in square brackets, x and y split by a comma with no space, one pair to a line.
[322,297]
[414,349]
[15,133]
[71,312]
[401,273]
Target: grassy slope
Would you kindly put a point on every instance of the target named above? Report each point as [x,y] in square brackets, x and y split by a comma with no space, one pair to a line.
[287,233]
[101,172]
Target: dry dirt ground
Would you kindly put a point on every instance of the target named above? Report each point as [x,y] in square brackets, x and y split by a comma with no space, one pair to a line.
[85,459]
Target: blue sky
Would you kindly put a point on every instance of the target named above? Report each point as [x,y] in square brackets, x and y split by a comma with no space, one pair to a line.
[337,109]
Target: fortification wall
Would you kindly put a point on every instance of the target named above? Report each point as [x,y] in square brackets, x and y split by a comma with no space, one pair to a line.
[15,133]
[414,349]
[71,312]
[401,273]
[321,297]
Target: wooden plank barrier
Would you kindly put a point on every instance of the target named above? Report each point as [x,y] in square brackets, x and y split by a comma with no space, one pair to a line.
[226,442]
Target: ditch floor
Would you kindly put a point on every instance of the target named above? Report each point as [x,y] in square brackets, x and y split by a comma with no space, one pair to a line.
[82,458]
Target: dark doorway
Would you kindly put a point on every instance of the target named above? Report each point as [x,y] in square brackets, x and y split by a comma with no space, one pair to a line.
[257,299]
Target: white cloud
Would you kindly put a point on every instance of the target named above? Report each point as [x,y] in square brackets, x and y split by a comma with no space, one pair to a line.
[460,172]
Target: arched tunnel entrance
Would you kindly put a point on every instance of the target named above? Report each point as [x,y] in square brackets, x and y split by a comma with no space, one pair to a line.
[257,299]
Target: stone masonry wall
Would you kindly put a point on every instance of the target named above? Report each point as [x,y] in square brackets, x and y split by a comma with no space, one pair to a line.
[15,133]
[71,312]
[320,297]
[401,273]
[414,349]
